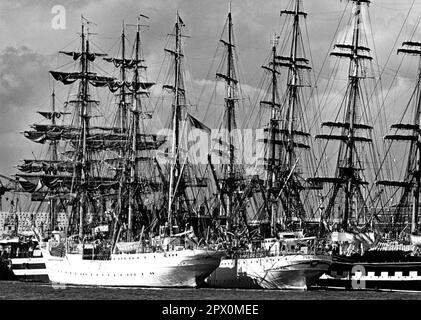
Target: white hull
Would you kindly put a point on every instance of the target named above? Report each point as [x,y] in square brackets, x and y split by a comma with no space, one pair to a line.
[295,271]
[415,240]
[183,268]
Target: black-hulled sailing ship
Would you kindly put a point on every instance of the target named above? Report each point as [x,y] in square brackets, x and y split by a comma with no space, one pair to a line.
[137,249]
[283,255]
[347,208]
[389,262]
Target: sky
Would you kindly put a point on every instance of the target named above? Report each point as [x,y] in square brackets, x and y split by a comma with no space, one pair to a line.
[29,46]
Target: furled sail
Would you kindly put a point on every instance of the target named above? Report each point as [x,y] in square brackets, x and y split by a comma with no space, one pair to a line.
[71,77]
[126,63]
[76,55]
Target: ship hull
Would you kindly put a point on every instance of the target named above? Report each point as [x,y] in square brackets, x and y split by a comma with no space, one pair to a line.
[298,271]
[388,276]
[30,269]
[184,268]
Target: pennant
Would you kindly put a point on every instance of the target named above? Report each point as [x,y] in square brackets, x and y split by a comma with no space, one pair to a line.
[197,124]
[181,22]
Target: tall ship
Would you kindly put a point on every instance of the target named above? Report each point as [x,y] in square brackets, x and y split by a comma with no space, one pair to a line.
[276,250]
[370,255]
[148,240]
[36,178]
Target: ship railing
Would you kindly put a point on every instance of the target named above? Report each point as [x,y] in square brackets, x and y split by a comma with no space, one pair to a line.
[259,253]
[96,250]
[161,244]
[392,246]
[74,247]
[25,254]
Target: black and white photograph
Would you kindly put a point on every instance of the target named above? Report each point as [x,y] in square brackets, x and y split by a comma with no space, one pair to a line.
[210,158]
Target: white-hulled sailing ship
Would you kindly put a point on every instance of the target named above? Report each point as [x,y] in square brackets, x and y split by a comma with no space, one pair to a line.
[282,257]
[144,247]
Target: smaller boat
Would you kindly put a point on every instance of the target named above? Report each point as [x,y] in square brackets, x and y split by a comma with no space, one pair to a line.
[21,259]
[20,255]
[29,264]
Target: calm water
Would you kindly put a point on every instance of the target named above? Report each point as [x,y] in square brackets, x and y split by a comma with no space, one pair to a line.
[15,290]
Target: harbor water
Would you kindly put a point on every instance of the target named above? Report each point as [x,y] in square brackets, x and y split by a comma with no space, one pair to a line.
[15,290]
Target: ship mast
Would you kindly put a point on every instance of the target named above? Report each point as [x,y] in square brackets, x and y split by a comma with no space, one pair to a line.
[292,99]
[293,65]
[273,125]
[132,140]
[229,105]
[282,181]
[354,78]
[122,119]
[272,157]
[84,114]
[122,102]
[175,163]
[348,176]
[273,121]
[84,118]
[136,110]
[76,135]
[412,179]
[230,124]
[54,158]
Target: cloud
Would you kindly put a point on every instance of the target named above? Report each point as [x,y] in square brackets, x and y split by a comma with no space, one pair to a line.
[28,44]
[23,90]
[21,72]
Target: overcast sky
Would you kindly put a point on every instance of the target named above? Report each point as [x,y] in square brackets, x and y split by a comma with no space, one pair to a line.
[29,46]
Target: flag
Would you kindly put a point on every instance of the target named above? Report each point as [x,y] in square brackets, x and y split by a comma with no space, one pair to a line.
[181,22]
[197,124]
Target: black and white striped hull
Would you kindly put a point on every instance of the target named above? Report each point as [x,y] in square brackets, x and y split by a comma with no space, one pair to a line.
[30,269]
[387,276]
